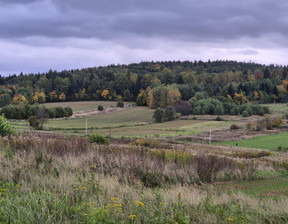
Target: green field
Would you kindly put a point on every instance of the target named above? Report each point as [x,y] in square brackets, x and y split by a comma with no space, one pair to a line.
[130,122]
[134,121]
[270,142]
[276,186]
[81,105]
[278,108]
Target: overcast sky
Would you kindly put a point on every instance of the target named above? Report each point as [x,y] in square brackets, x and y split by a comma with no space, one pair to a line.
[38,35]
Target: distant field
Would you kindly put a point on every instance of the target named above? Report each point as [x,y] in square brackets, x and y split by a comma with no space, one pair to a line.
[270,142]
[276,186]
[133,122]
[278,108]
[82,105]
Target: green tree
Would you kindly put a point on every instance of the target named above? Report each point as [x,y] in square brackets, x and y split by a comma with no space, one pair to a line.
[159,115]
[170,113]
[5,126]
[219,110]
[6,99]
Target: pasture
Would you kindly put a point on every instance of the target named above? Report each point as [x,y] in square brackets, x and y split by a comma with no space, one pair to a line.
[81,105]
[270,142]
[126,122]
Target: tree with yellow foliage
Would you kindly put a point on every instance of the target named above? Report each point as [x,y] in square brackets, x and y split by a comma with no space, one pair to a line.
[62,97]
[105,93]
[162,96]
[53,95]
[39,97]
[141,98]
[240,98]
[19,98]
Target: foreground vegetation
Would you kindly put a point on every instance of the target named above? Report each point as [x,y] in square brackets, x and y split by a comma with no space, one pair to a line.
[57,179]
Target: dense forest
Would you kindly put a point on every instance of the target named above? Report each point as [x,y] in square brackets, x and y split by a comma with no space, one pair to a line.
[169,82]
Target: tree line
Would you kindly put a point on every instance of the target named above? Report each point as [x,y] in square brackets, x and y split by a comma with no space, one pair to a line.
[148,82]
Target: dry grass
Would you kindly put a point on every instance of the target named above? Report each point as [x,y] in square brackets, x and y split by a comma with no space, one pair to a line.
[51,168]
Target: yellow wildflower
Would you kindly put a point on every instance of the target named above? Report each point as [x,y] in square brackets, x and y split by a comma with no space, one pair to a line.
[53,190]
[84,188]
[230,219]
[18,185]
[161,203]
[139,203]
[85,214]
[115,199]
[132,216]
[2,189]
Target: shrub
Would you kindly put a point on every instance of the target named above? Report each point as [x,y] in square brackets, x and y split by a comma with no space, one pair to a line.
[100,108]
[34,122]
[5,126]
[170,113]
[151,143]
[235,127]
[120,104]
[249,126]
[245,113]
[100,139]
[277,122]
[159,115]
[218,118]
[68,111]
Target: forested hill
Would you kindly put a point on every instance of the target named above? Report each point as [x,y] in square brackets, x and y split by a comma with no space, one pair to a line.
[219,79]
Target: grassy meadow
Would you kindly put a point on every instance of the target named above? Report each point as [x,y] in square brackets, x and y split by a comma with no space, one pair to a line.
[59,176]
[82,105]
[271,142]
[48,178]
[129,122]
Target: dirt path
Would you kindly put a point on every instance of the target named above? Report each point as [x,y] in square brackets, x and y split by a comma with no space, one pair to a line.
[88,113]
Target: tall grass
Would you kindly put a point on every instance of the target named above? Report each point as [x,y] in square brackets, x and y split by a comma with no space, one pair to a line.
[57,179]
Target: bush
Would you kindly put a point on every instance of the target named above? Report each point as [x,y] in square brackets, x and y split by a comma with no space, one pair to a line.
[218,118]
[100,139]
[68,111]
[170,113]
[159,115]
[5,126]
[245,113]
[120,104]
[277,122]
[234,127]
[34,123]
[100,108]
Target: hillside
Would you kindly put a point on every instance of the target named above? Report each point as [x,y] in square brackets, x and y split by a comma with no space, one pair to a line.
[260,83]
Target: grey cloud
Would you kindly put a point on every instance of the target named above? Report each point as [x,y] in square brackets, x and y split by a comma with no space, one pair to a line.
[185,19]
[124,30]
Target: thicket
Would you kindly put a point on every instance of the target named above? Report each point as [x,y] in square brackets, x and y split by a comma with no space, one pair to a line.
[25,111]
[216,107]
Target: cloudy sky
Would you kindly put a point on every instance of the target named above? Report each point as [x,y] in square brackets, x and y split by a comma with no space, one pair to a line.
[38,35]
